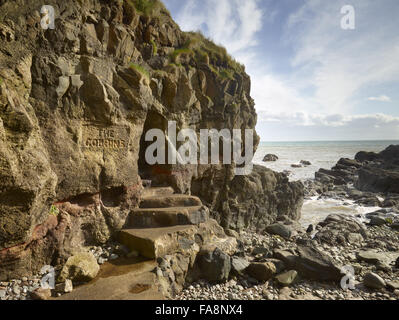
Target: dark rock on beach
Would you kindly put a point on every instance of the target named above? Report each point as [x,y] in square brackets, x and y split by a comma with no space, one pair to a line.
[375,179]
[270,158]
[215,265]
[296,166]
[365,179]
[279,229]
[341,229]
[311,263]
[374,281]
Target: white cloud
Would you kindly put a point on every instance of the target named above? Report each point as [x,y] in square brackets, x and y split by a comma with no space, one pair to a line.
[233,23]
[333,127]
[335,66]
[330,67]
[382,98]
[334,120]
[339,62]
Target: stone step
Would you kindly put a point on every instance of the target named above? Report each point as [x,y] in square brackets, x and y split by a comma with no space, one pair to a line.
[130,280]
[174,200]
[158,191]
[158,242]
[166,217]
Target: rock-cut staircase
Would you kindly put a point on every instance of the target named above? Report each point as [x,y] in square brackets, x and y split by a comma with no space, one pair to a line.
[161,222]
[164,224]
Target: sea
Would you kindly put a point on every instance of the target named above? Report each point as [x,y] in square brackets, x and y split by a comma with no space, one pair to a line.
[321,154]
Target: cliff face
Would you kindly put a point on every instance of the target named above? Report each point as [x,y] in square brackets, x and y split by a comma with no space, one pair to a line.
[74,103]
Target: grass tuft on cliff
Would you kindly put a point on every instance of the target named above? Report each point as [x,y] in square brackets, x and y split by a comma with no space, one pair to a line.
[149,8]
[218,54]
[154,47]
[204,50]
[140,69]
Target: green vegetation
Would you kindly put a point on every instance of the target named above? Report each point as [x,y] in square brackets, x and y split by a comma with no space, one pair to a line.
[143,71]
[176,65]
[175,54]
[54,210]
[145,7]
[154,47]
[148,8]
[205,51]
[217,54]
[196,45]
[226,74]
[189,48]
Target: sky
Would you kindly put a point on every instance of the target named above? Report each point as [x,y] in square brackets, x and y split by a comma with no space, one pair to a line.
[311,78]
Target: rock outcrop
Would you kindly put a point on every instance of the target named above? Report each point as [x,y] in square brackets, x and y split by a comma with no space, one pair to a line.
[371,179]
[270,158]
[75,104]
[268,196]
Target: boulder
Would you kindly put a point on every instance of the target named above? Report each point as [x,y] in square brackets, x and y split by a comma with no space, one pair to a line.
[355,194]
[268,195]
[214,265]
[394,285]
[363,156]
[339,175]
[377,221]
[311,263]
[287,257]
[270,158]
[81,267]
[369,201]
[372,257]
[339,229]
[260,250]
[287,278]
[280,265]
[238,264]
[390,155]
[296,166]
[279,229]
[64,287]
[373,281]
[287,172]
[391,201]
[349,163]
[378,180]
[41,294]
[261,271]
[305,163]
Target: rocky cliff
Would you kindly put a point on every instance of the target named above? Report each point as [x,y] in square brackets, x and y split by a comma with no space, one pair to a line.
[74,104]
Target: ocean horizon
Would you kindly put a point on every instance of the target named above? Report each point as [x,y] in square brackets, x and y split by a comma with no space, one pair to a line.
[321,154]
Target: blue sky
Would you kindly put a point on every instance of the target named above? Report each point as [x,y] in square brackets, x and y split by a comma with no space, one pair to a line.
[311,79]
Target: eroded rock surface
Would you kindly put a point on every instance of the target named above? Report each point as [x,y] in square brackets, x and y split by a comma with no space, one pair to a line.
[74,104]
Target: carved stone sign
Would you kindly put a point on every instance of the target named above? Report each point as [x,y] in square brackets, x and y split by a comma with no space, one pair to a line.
[111,138]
